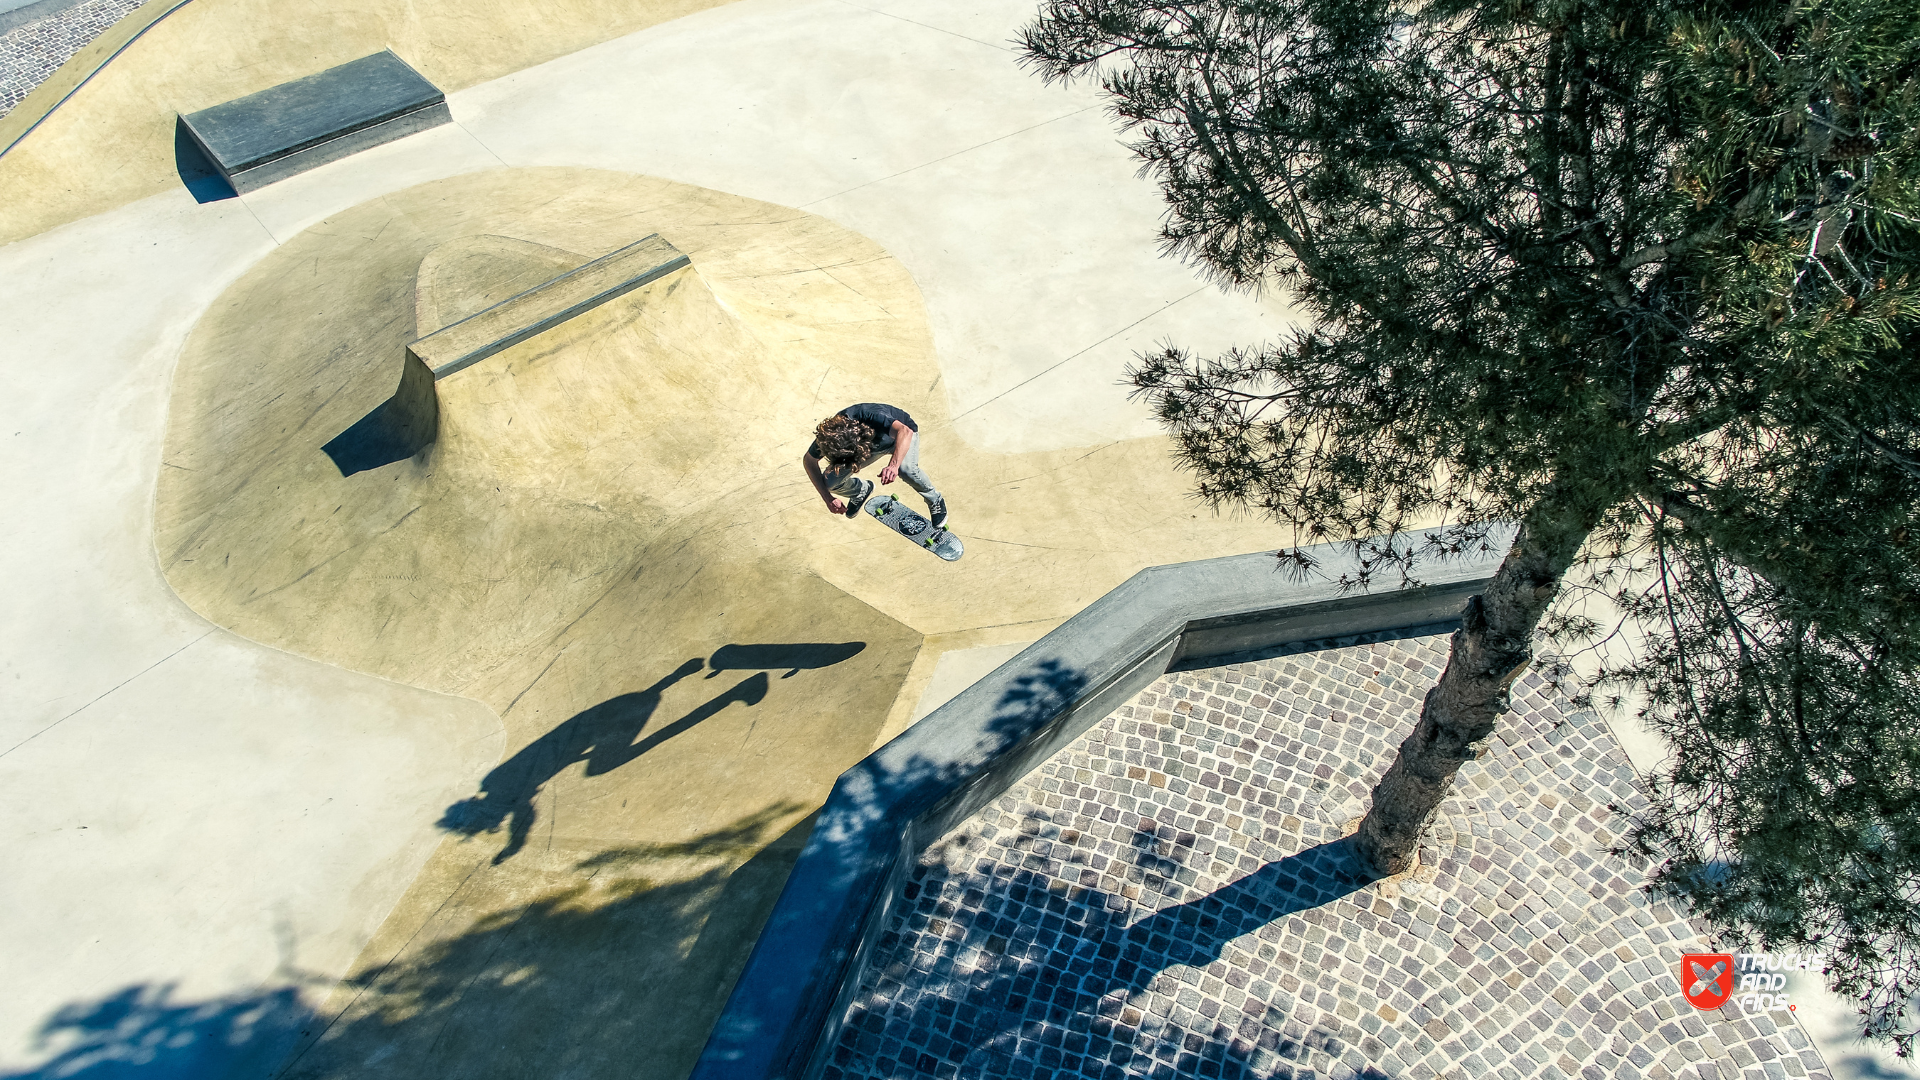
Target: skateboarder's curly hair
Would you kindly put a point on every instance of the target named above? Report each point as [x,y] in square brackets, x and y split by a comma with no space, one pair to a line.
[844,440]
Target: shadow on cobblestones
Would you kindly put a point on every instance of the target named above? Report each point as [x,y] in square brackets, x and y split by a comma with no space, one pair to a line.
[1040,968]
[1195,933]
[1042,983]
[1167,896]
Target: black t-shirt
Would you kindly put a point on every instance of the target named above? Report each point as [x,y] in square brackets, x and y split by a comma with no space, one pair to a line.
[878,418]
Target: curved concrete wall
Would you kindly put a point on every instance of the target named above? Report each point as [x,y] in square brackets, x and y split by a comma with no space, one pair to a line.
[790,999]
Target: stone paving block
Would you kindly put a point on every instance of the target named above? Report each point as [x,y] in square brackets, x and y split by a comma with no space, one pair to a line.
[33,51]
[1168,896]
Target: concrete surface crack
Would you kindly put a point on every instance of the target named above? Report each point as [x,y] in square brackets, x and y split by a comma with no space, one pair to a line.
[1095,450]
[946,157]
[589,609]
[927,26]
[1010,543]
[537,678]
[102,696]
[375,976]
[486,964]
[1095,345]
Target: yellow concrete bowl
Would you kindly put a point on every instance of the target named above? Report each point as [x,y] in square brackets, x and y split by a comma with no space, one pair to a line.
[590,546]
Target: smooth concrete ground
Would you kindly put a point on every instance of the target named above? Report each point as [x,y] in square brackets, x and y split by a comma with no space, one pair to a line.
[242,856]
[192,816]
[610,508]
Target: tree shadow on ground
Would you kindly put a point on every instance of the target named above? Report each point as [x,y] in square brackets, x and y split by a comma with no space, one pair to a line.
[636,946]
[145,1031]
[1023,979]
[1195,933]
[1004,970]
[557,979]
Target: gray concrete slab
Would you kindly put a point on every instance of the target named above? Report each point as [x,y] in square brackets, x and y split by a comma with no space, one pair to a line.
[306,123]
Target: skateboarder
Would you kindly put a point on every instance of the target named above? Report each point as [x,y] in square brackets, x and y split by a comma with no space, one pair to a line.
[856,437]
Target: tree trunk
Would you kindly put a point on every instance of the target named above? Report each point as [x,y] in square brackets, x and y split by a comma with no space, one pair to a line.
[1490,650]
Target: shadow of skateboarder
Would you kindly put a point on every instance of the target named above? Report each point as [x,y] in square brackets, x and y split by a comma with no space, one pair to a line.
[605,736]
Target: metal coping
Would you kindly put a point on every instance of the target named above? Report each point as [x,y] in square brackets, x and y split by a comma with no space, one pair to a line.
[597,292]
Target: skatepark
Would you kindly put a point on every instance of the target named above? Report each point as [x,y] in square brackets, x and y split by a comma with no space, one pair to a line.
[491,758]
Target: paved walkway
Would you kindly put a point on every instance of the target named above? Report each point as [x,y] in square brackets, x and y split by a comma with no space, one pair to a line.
[1167,897]
[33,51]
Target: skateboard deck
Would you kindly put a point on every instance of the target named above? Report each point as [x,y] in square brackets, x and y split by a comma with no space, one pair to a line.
[893,513]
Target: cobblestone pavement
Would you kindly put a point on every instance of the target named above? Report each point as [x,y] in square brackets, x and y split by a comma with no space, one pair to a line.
[1167,897]
[31,53]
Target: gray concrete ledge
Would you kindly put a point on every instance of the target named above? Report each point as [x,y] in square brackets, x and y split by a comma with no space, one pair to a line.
[296,126]
[786,1010]
[547,305]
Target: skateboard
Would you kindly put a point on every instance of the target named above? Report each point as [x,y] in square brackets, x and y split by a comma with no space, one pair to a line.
[893,513]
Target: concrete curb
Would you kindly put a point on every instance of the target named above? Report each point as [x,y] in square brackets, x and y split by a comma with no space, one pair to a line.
[787,1006]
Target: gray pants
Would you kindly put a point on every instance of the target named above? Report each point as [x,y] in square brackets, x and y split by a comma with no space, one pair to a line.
[845,482]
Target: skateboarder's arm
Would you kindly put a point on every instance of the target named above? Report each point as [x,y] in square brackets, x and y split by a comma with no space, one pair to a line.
[813,474]
[820,483]
[902,440]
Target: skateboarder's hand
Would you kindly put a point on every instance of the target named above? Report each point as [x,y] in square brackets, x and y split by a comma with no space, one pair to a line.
[837,507]
[888,474]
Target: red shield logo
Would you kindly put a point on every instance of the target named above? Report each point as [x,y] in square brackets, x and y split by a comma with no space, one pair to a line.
[1706,979]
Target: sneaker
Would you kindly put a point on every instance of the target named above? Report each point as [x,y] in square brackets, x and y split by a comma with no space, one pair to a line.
[937,512]
[856,502]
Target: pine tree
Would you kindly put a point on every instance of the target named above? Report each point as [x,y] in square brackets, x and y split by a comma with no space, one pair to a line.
[1639,277]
